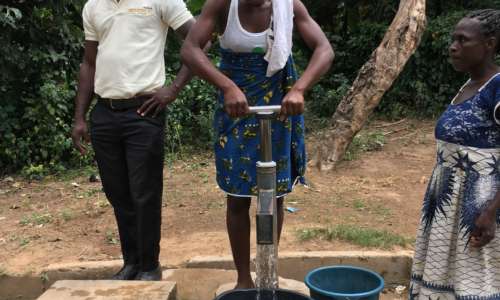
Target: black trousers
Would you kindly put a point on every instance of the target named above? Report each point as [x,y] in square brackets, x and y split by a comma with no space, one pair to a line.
[129,153]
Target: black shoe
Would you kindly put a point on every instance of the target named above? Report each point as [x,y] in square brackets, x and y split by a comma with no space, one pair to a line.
[128,272]
[154,275]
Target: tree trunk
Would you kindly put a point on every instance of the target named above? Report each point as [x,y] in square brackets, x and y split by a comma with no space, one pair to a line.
[374,79]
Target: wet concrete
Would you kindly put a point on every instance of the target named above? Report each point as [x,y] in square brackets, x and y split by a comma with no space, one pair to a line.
[21,287]
[110,290]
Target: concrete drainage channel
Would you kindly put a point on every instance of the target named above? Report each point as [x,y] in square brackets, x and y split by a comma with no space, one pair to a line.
[200,278]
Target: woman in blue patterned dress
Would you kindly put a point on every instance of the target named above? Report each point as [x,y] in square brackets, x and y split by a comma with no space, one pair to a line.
[457,252]
[256,69]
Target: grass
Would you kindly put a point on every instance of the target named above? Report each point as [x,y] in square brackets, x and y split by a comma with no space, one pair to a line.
[67,214]
[365,237]
[92,192]
[44,277]
[375,209]
[24,241]
[359,204]
[382,211]
[73,173]
[204,177]
[215,204]
[111,237]
[102,203]
[36,219]
[365,142]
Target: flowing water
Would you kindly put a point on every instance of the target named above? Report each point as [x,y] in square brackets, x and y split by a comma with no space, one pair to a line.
[266,270]
[268,295]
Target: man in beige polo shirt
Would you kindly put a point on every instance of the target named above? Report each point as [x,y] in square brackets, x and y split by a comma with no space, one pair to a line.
[123,65]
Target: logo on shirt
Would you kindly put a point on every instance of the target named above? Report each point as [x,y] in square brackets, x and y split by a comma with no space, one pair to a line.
[143,11]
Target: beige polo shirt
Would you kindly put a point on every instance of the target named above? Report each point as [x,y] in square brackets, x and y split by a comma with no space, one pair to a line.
[131,36]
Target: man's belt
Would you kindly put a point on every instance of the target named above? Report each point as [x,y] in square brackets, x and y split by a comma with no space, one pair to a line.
[123,104]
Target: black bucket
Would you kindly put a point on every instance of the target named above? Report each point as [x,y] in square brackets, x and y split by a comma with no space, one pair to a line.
[265,294]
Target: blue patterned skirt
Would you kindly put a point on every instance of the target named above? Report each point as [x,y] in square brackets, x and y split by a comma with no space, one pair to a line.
[237,140]
[464,181]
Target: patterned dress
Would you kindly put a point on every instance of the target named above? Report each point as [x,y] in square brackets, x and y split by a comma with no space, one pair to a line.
[237,140]
[464,181]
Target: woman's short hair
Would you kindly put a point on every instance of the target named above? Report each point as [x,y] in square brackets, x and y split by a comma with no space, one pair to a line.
[489,20]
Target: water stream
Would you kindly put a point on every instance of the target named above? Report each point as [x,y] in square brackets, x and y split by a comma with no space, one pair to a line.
[266,270]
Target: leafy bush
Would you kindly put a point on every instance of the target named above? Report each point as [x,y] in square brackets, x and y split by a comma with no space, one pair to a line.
[38,62]
[189,118]
[423,89]
[428,82]
[42,49]
[38,69]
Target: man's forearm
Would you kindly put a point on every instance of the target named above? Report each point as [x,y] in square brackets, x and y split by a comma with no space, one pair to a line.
[85,91]
[182,78]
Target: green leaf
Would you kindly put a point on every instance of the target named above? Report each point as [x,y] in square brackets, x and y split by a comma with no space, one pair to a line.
[195,6]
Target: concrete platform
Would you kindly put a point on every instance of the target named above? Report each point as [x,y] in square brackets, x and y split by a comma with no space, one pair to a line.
[110,290]
[394,266]
[204,275]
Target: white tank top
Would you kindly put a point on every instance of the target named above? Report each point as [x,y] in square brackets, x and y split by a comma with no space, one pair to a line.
[237,39]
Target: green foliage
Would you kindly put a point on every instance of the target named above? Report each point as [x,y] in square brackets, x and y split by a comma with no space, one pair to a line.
[38,62]
[365,142]
[36,219]
[428,81]
[42,49]
[365,237]
[38,71]
[189,118]
[111,237]
[355,28]
[195,5]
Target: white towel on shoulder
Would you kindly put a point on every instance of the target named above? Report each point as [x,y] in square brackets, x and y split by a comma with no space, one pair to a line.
[281,46]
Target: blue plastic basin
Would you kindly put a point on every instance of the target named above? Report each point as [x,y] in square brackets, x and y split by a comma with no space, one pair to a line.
[344,283]
[251,294]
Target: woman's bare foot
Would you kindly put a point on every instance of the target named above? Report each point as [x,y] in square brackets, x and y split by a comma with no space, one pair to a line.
[245,284]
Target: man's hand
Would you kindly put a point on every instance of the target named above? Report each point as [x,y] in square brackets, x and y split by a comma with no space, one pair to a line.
[293,103]
[485,227]
[235,102]
[80,132]
[159,100]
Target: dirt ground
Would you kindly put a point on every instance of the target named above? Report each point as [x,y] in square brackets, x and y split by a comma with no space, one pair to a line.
[66,220]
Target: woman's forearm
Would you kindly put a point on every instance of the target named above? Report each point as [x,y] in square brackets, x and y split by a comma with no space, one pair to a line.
[319,64]
[197,61]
